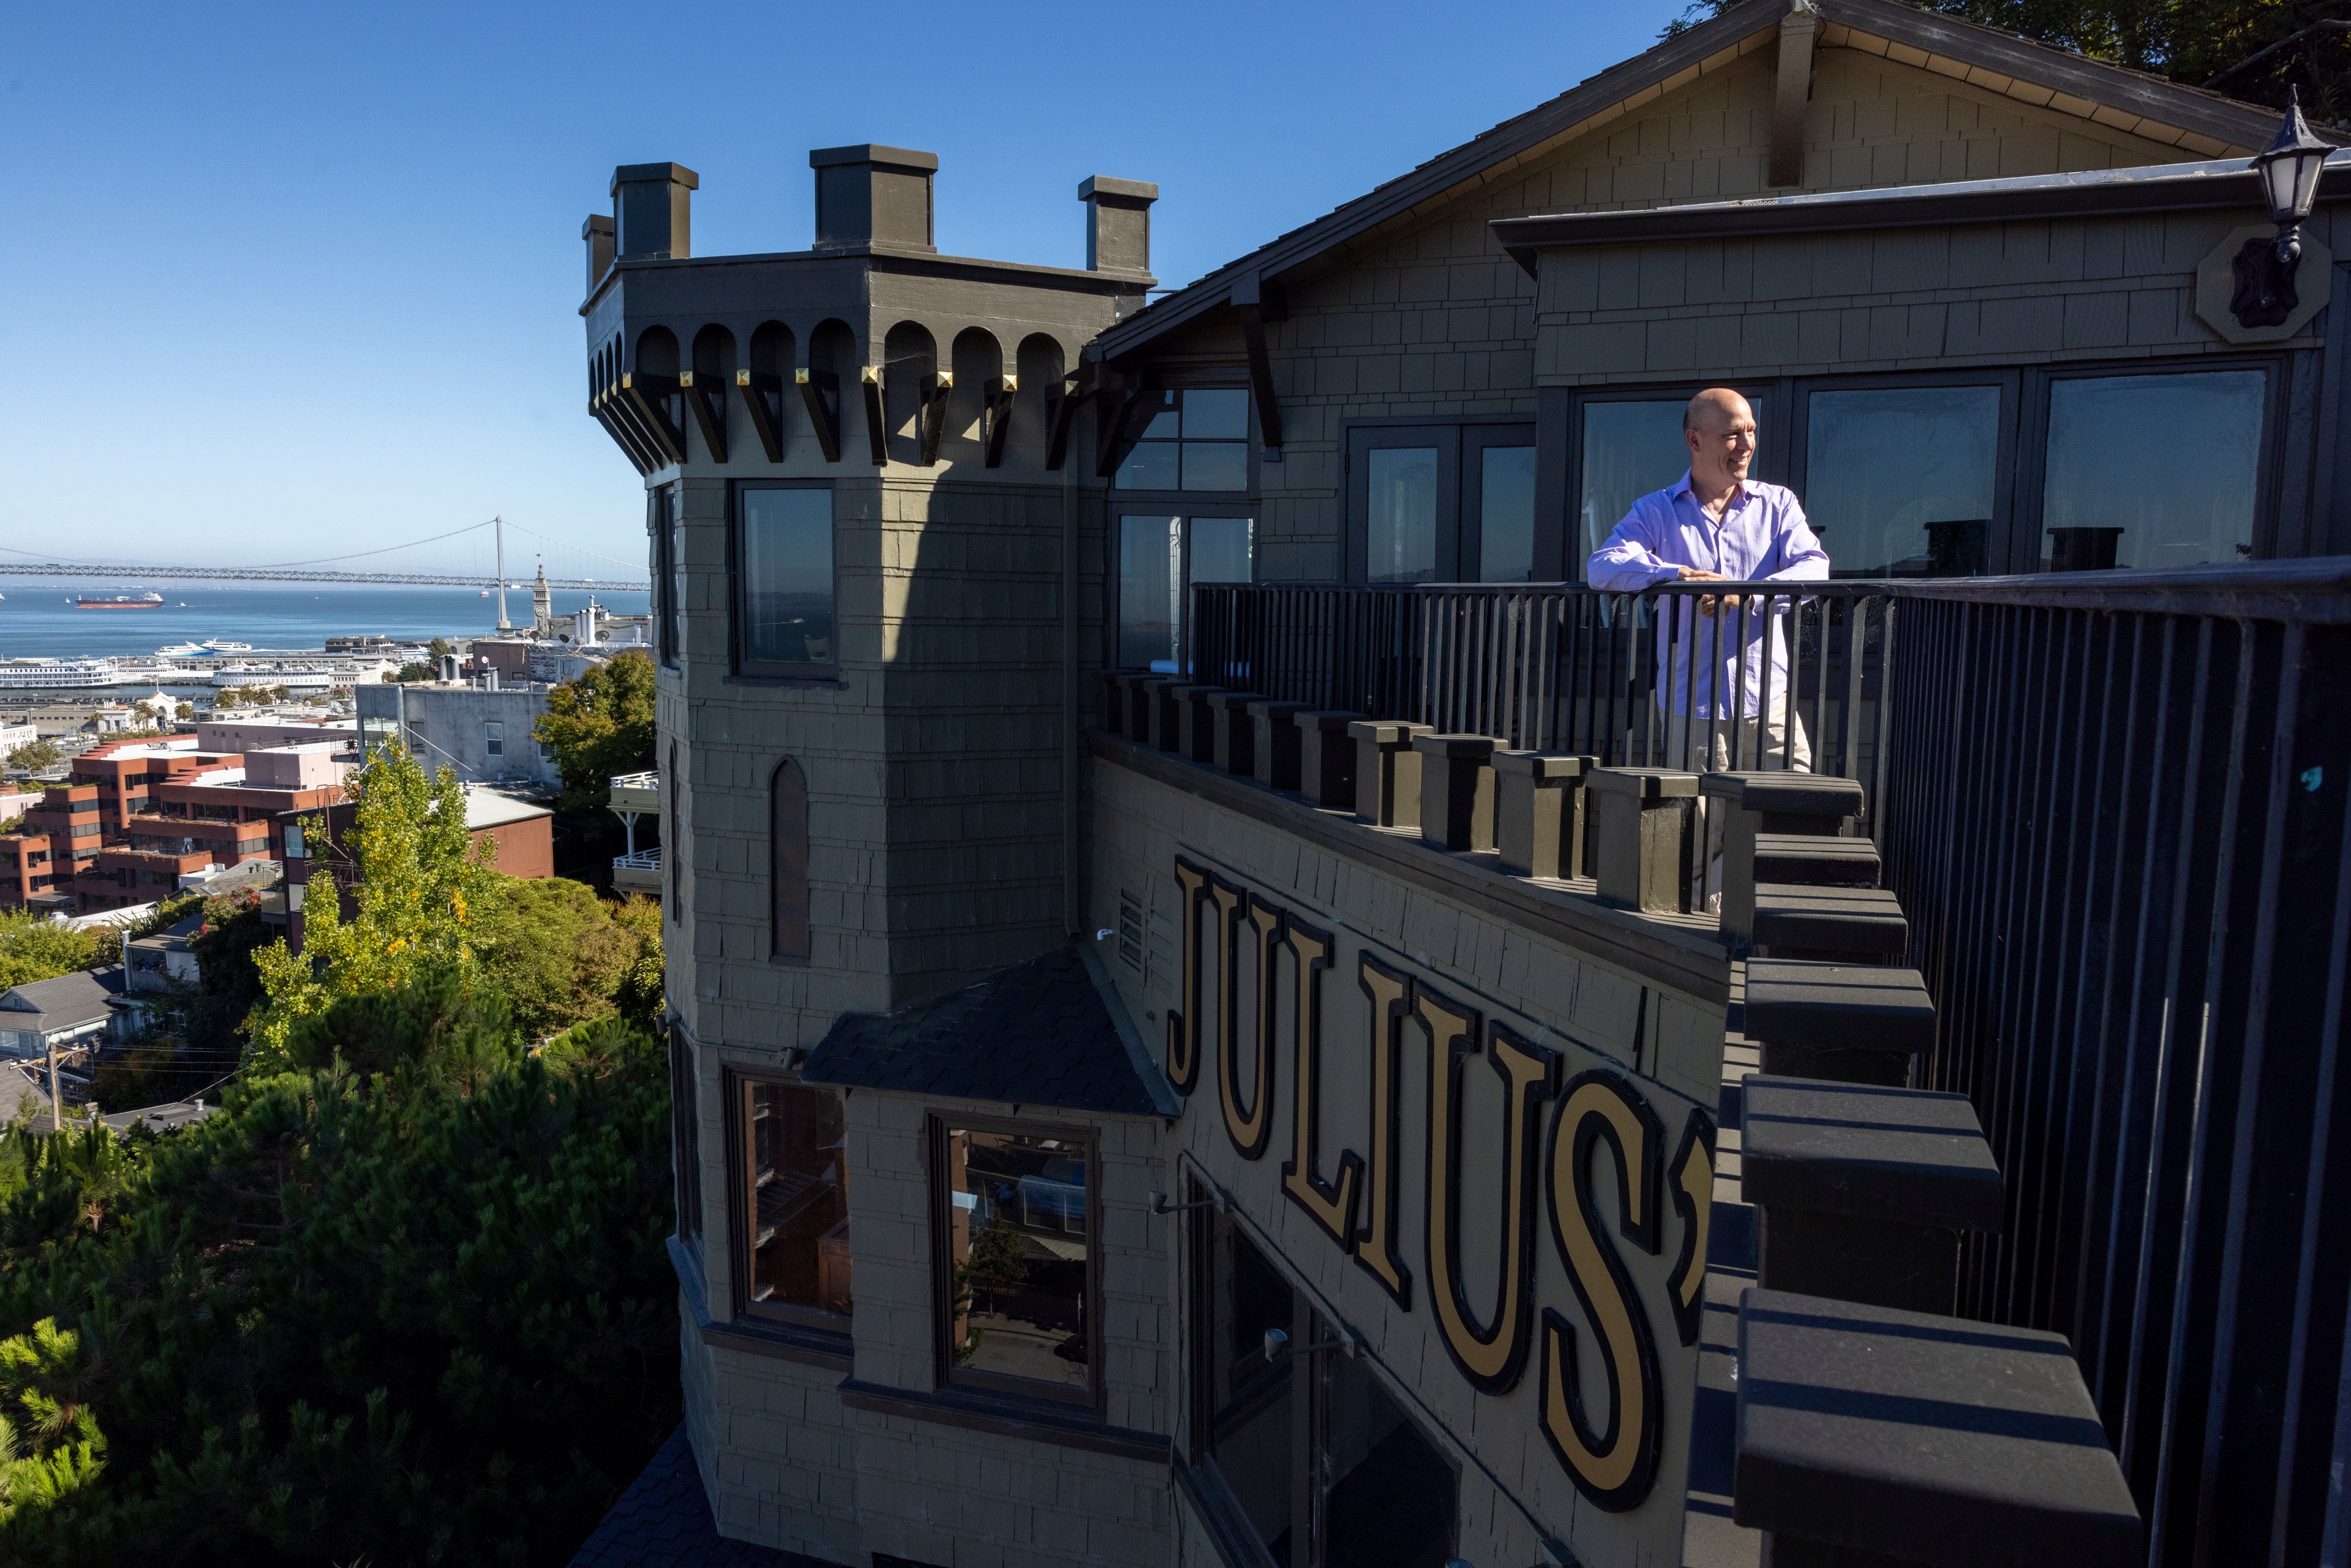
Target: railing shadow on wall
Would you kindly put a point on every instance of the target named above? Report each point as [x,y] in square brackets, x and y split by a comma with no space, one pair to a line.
[2114,807]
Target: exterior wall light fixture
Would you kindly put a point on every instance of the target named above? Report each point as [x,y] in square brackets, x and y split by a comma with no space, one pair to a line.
[2288,169]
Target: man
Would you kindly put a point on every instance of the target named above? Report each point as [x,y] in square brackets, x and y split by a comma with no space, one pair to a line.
[1716,525]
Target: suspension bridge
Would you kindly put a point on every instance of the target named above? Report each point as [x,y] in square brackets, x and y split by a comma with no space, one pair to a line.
[433,562]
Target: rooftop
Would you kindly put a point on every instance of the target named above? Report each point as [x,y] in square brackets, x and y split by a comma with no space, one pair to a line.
[1041,1032]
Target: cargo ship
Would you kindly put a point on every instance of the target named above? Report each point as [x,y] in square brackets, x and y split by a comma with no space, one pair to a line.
[119,602]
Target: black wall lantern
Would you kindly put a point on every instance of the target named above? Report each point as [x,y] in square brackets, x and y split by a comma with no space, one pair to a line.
[2288,170]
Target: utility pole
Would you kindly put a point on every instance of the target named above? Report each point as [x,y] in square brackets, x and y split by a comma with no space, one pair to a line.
[56,1112]
[500,522]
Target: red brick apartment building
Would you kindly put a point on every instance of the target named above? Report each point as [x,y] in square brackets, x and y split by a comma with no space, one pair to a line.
[138,815]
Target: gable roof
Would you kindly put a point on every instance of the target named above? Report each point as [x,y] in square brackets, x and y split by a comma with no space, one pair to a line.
[1039,1033]
[2201,122]
[65,1002]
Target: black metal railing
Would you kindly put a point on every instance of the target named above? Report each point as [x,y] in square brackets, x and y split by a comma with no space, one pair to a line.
[2116,820]
[1648,679]
[2116,809]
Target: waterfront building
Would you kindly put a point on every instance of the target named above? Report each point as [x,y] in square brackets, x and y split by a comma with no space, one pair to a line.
[959,937]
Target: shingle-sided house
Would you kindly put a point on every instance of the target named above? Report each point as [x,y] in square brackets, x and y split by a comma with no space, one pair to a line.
[71,1012]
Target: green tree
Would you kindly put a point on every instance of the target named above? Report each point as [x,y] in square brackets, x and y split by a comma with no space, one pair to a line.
[35,755]
[439,649]
[557,952]
[417,1309]
[599,726]
[421,882]
[2190,41]
[33,949]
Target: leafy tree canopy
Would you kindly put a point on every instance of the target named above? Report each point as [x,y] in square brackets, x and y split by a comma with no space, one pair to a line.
[599,726]
[31,948]
[2188,41]
[424,881]
[563,956]
[407,1302]
[35,755]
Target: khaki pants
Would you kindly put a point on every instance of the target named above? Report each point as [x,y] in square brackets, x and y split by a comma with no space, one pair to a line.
[1784,745]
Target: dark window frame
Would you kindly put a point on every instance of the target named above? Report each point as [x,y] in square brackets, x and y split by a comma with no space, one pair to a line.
[1775,440]
[768,671]
[2033,465]
[2016,537]
[1119,512]
[1179,381]
[686,1138]
[1460,498]
[738,1083]
[1095,1398]
[662,509]
[789,941]
[2006,496]
[1310,1434]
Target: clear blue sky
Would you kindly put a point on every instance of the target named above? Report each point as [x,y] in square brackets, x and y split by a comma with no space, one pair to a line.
[281,279]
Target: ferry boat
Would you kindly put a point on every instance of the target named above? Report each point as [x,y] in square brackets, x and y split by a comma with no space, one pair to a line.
[119,602]
[45,674]
[293,680]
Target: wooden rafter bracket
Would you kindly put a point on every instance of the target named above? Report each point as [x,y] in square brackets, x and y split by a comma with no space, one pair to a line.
[1118,427]
[1259,300]
[1060,413]
[621,437]
[877,434]
[820,395]
[763,398]
[707,398]
[650,395]
[626,414]
[996,416]
[931,422]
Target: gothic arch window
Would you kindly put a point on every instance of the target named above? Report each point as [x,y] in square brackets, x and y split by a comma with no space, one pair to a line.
[787,828]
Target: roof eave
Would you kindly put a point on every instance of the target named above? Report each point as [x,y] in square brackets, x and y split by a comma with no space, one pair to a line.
[2169,187]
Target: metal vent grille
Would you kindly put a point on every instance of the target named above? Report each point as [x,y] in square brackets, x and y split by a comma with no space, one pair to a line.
[1130,930]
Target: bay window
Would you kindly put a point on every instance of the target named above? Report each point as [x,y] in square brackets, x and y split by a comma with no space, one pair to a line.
[1013,1217]
[791,1211]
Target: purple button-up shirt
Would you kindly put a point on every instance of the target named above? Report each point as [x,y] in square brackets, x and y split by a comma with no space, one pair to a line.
[1762,536]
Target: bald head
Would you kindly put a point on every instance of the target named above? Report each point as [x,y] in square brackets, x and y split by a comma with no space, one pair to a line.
[1719,427]
[1716,409]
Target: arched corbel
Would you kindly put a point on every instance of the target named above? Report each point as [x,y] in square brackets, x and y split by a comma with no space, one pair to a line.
[820,395]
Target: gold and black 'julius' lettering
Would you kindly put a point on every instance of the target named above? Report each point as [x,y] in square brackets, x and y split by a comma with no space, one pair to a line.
[1692,1187]
[1331,1204]
[1492,1357]
[1375,1243]
[1249,1109]
[1615,1464]
[1184,1019]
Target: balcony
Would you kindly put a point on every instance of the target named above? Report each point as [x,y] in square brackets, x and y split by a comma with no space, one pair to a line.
[2109,811]
[637,792]
[638,872]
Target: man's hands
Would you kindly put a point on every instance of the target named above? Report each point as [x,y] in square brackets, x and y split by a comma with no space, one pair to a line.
[1699,574]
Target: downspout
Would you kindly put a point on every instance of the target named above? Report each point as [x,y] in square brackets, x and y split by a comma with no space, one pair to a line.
[1072,902]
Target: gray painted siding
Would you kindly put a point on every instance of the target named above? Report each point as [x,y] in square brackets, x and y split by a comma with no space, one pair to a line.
[1437,323]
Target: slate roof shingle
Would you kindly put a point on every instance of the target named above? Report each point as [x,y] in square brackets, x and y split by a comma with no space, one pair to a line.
[63,1002]
[1033,1033]
[664,1521]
